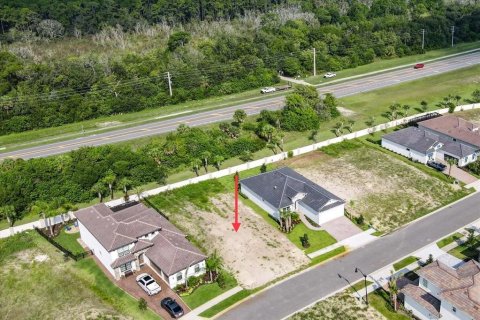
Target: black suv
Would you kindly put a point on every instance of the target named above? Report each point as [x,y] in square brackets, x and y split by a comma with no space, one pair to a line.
[436,165]
[172,307]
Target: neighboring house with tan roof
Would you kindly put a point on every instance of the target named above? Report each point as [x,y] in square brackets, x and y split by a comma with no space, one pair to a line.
[285,189]
[445,292]
[124,240]
[437,139]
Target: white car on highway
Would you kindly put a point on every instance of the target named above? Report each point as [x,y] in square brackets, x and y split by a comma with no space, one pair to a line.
[148,284]
[330,75]
[268,90]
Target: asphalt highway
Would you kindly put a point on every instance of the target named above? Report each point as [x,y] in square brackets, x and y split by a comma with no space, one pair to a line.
[342,89]
[304,289]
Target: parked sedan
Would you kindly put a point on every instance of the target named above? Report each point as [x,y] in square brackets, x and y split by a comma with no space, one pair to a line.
[268,90]
[148,284]
[436,165]
[172,307]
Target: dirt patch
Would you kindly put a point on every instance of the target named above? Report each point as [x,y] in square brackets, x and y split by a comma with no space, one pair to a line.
[386,191]
[108,124]
[346,112]
[341,306]
[273,255]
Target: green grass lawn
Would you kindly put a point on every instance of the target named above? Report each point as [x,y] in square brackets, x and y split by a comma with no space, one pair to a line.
[36,282]
[318,239]
[360,285]
[379,65]
[328,255]
[207,292]
[69,241]
[381,301]
[450,239]
[230,301]
[405,262]
[466,252]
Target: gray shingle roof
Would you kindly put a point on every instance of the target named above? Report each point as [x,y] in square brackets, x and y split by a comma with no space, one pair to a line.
[278,187]
[423,141]
[169,249]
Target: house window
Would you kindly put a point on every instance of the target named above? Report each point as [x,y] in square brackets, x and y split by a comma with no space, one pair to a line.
[408,149]
[454,309]
[425,282]
[454,139]
[126,267]
[123,251]
[197,268]
[179,276]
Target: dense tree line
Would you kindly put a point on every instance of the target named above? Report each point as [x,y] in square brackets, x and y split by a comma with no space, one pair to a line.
[57,182]
[209,58]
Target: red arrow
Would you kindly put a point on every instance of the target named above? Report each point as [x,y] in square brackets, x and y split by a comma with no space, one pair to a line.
[236,224]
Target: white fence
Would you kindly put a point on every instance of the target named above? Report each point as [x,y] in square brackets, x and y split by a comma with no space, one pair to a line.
[40,223]
[245,166]
[284,155]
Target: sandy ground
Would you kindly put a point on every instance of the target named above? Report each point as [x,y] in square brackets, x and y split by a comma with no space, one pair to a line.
[256,254]
[346,112]
[341,306]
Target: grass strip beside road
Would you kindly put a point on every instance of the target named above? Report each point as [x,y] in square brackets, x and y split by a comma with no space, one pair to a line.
[230,301]
[328,255]
[207,292]
[450,239]
[404,262]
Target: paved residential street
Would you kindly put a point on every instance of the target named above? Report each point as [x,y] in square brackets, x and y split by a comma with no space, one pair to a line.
[294,294]
[342,89]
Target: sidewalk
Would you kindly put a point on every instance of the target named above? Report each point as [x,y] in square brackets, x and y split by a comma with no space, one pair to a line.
[194,314]
[351,243]
[381,277]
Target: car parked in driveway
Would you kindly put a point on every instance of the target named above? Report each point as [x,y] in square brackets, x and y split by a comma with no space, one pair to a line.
[329,75]
[148,284]
[419,66]
[436,165]
[172,307]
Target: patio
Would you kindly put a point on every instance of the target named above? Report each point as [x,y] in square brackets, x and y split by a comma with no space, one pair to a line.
[129,285]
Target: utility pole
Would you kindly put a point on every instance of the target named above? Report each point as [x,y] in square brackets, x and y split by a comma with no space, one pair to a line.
[365,284]
[169,79]
[453,32]
[423,39]
[314,62]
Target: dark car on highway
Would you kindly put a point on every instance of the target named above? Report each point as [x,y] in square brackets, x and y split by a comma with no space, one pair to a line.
[436,165]
[419,66]
[172,307]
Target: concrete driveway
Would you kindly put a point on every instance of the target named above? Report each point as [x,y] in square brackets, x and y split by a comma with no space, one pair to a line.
[341,228]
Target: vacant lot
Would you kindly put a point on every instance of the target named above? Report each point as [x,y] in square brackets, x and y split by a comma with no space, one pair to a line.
[36,282]
[256,254]
[387,191]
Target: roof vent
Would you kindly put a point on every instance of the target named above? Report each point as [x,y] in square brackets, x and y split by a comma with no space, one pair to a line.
[274,187]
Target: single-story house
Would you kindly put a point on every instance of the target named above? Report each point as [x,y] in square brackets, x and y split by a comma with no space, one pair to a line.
[126,239]
[423,146]
[285,189]
[454,129]
[444,292]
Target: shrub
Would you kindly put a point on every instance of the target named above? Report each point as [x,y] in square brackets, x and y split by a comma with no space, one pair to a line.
[360,220]
[263,168]
[142,304]
[222,280]
[194,281]
[305,241]
[290,154]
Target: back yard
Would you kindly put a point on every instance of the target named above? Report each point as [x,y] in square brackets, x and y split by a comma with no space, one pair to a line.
[387,191]
[36,282]
[205,212]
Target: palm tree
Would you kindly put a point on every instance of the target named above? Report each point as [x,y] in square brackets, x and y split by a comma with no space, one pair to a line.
[126,184]
[314,135]
[278,140]
[218,159]
[337,128]
[451,162]
[394,110]
[272,146]
[239,116]
[457,99]
[196,163]
[98,188]
[405,108]
[8,212]
[44,210]
[349,125]
[205,156]
[267,132]
[213,263]
[138,191]
[392,285]
[109,180]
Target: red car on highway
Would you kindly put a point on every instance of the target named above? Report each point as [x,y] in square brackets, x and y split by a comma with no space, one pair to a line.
[419,66]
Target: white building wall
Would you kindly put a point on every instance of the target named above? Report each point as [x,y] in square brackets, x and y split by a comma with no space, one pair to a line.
[322,217]
[429,287]
[418,311]
[446,310]
[98,250]
[402,150]
[260,202]
[172,280]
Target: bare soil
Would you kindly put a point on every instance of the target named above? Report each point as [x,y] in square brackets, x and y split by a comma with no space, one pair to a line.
[256,254]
